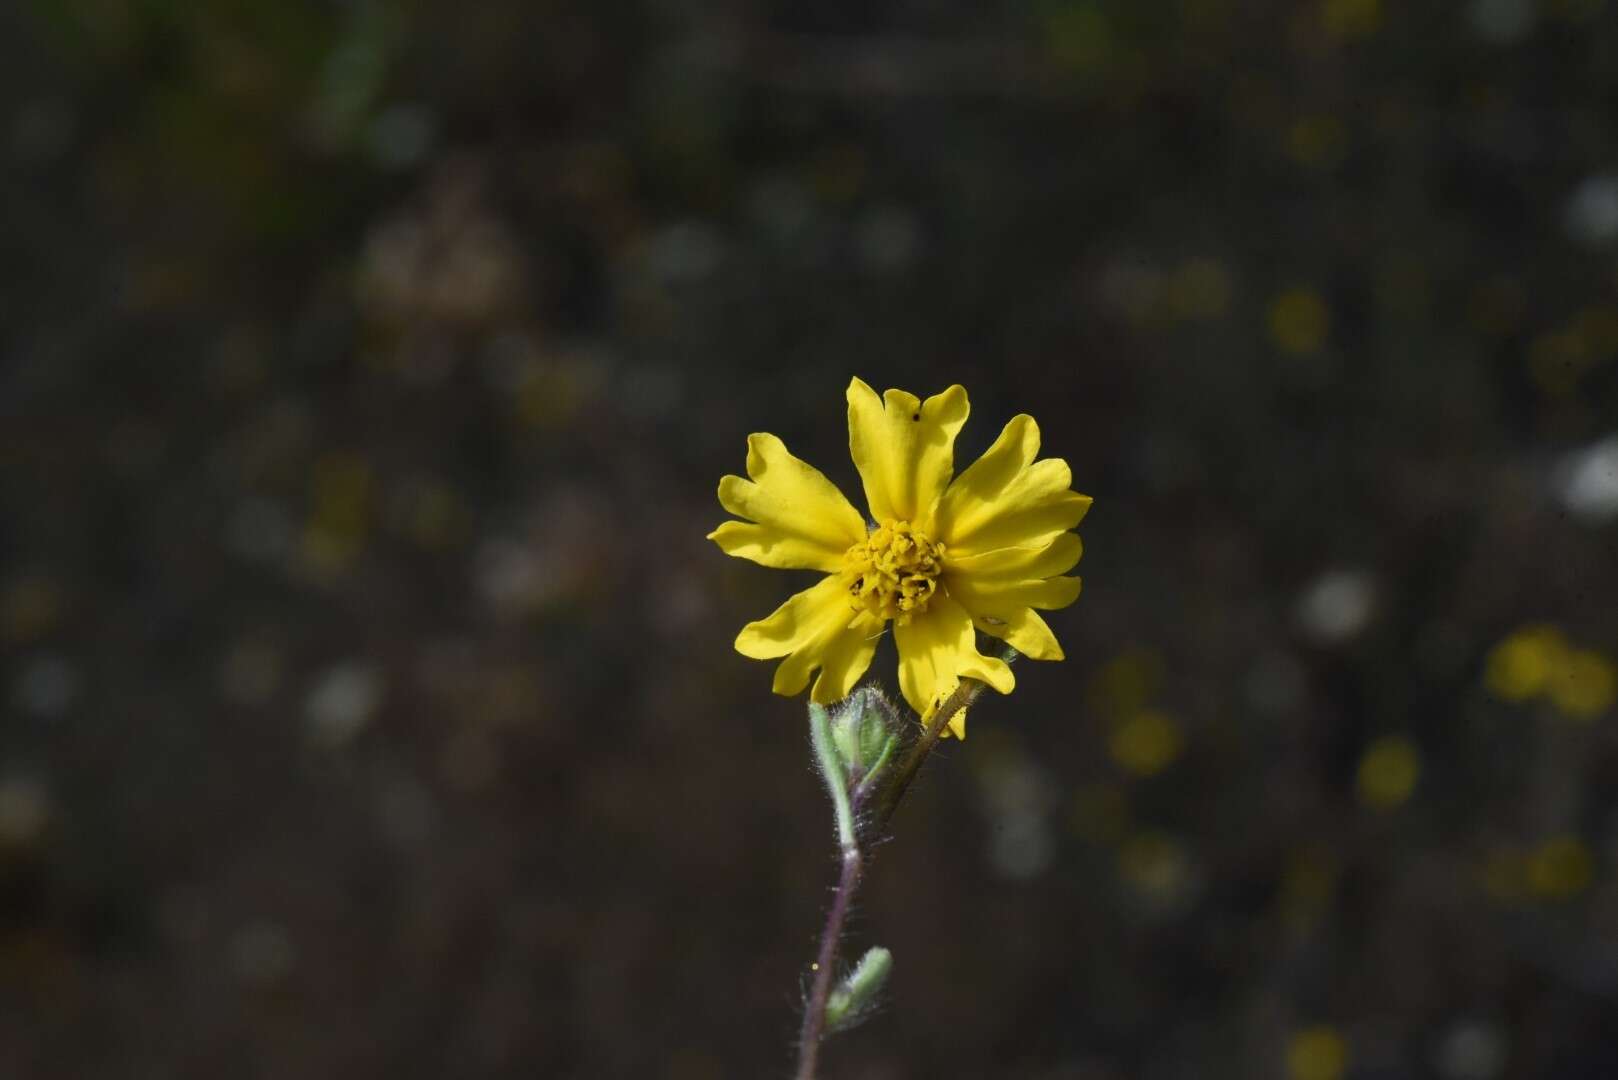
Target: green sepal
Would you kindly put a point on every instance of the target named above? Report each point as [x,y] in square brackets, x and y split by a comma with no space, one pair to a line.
[863,728]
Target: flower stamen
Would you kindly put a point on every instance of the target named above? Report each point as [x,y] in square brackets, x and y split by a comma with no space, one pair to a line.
[894,572]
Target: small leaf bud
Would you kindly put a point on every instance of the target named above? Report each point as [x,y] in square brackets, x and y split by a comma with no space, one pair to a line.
[856,995]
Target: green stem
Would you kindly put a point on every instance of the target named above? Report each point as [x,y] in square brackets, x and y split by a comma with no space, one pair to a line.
[831,936]
[848,811]
[910,764]
[832,768]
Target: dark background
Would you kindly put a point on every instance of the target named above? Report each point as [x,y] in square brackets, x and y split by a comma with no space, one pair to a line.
[368,369]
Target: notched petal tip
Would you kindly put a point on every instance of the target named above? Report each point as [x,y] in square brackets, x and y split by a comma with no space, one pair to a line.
[996,672]
[1024,631]
[789,679]
[733,493]
[759,445]
[802,520]
[950,405]
[902,403]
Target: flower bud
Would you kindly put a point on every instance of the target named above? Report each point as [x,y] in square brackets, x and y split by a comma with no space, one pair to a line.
[856,995]
[863,729]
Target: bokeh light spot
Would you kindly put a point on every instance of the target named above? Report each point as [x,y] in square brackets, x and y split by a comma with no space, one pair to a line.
[1299,321]
[1079,36]
[1585,685]
[1521,666]
[1317,142]
[1126,682]
[30,607]
[1317,1053]
[1351,18]
[1200,288]
[1155,865]
[1146,743]
[1560,868]
[1388,772]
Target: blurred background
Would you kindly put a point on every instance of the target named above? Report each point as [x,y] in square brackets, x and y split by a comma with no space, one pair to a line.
[368,693]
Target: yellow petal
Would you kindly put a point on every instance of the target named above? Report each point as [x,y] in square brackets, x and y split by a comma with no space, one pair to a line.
[802,521]
[816,628]
[936,650]
[1056,556]
[999,596]
[1024,631]
[769,546]
[846,659]
[999,586]
[1007,499]
[806,617]
[904,449]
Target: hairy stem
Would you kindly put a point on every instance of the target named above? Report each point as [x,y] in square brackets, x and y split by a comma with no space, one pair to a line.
[849,809]
[910,764]
[814,1015]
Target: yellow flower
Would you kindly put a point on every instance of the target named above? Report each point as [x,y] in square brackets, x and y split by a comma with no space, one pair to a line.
[938,557]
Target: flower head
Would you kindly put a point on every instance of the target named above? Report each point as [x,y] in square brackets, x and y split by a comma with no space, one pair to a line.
[939,558]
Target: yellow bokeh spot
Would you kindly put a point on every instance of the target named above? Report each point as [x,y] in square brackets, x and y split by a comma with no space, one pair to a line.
[1560,868]
[1079,37]
[327,554]
[30,607]
[1522,665]
[1584,686]
[1154,864]
[1200,289]
[1299,321]
[342,488]
[1388,772]
[1317,1053]
[547,396]
[1538,660]
[1317,141]
[1351,18]
[1126,682]
[434,516]
[339,519]
[1145,743]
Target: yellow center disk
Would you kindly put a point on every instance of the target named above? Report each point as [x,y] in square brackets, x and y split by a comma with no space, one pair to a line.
[894,572]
